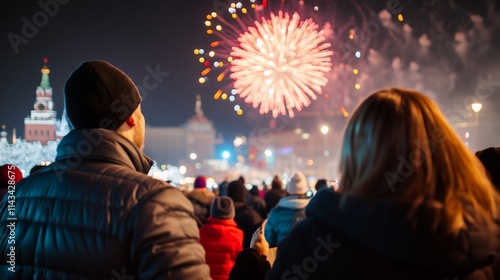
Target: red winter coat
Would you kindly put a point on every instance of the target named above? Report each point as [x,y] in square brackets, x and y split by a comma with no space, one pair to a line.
[222,241]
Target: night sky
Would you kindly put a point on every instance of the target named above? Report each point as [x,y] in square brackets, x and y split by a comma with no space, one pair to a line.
[136,35]
[132,35]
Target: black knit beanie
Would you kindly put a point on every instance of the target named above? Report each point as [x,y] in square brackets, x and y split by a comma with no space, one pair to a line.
[237,191]
[222,208]
[99,95]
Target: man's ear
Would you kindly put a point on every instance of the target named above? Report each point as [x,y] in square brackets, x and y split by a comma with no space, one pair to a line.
[130,121]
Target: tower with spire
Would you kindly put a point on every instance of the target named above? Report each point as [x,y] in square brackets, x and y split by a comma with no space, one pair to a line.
[41,125]
[200,133]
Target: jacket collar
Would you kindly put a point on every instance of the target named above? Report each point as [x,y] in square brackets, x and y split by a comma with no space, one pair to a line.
[293,202]
[101,145]
[217,221]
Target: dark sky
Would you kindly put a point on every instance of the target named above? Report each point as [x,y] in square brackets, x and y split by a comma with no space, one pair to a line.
[132,35]
[136,35]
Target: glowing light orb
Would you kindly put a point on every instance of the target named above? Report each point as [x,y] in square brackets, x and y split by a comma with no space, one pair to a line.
[280,64]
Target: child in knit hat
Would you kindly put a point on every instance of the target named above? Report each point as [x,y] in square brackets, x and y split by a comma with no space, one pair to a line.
[221,238]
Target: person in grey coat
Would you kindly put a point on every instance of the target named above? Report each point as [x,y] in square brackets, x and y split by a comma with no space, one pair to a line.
[94,213]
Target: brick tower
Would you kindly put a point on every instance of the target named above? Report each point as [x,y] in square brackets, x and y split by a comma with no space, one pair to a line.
[41,125]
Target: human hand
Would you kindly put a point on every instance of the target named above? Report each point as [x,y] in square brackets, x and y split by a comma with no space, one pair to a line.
[259,241]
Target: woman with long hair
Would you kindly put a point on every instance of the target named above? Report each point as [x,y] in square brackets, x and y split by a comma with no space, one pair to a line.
[413,202]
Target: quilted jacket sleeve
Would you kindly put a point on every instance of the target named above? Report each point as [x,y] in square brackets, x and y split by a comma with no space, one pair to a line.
[165,241]
[270,231]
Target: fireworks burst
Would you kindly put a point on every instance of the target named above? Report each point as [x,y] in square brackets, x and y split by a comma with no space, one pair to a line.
[278,64]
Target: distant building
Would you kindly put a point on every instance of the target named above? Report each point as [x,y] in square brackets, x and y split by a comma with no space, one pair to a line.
[284,152]
[41,125]
[191,143]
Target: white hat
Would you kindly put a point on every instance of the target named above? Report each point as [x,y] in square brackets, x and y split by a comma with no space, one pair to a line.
[297,184]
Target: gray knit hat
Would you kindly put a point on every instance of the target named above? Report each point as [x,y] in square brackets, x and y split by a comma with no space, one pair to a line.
[99,95]
[222,208]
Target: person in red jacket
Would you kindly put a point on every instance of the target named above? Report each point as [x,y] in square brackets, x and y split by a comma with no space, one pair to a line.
[221,238]
[9,176]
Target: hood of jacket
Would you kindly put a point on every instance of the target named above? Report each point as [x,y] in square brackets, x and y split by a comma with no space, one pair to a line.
[383,227]
[101,145]
[294,202]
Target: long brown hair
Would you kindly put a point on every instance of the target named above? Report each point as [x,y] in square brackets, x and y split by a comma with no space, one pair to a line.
[399,146]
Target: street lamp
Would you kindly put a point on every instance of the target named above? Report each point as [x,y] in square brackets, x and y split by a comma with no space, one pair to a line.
[268,153]
[324,129]
[476,107]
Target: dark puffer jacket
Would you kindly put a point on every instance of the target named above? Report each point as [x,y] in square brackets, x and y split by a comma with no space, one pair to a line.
[361,238]
[95,214]
[247,220]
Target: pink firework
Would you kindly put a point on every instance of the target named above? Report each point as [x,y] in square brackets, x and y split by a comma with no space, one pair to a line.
[280,64]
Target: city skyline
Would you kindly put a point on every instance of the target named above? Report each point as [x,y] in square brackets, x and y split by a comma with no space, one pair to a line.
[168,97]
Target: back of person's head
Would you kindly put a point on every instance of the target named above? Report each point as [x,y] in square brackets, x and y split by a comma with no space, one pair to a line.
[297,185]
[321,184]
[241,179]
[398,146]
[254,191]
[99,95]
[200,183]
[10,175]
[276,183]
[490,158]
[222,208]
[237,191]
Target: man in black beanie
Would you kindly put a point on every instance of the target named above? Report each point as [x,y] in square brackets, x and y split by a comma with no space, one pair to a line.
[94,213]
